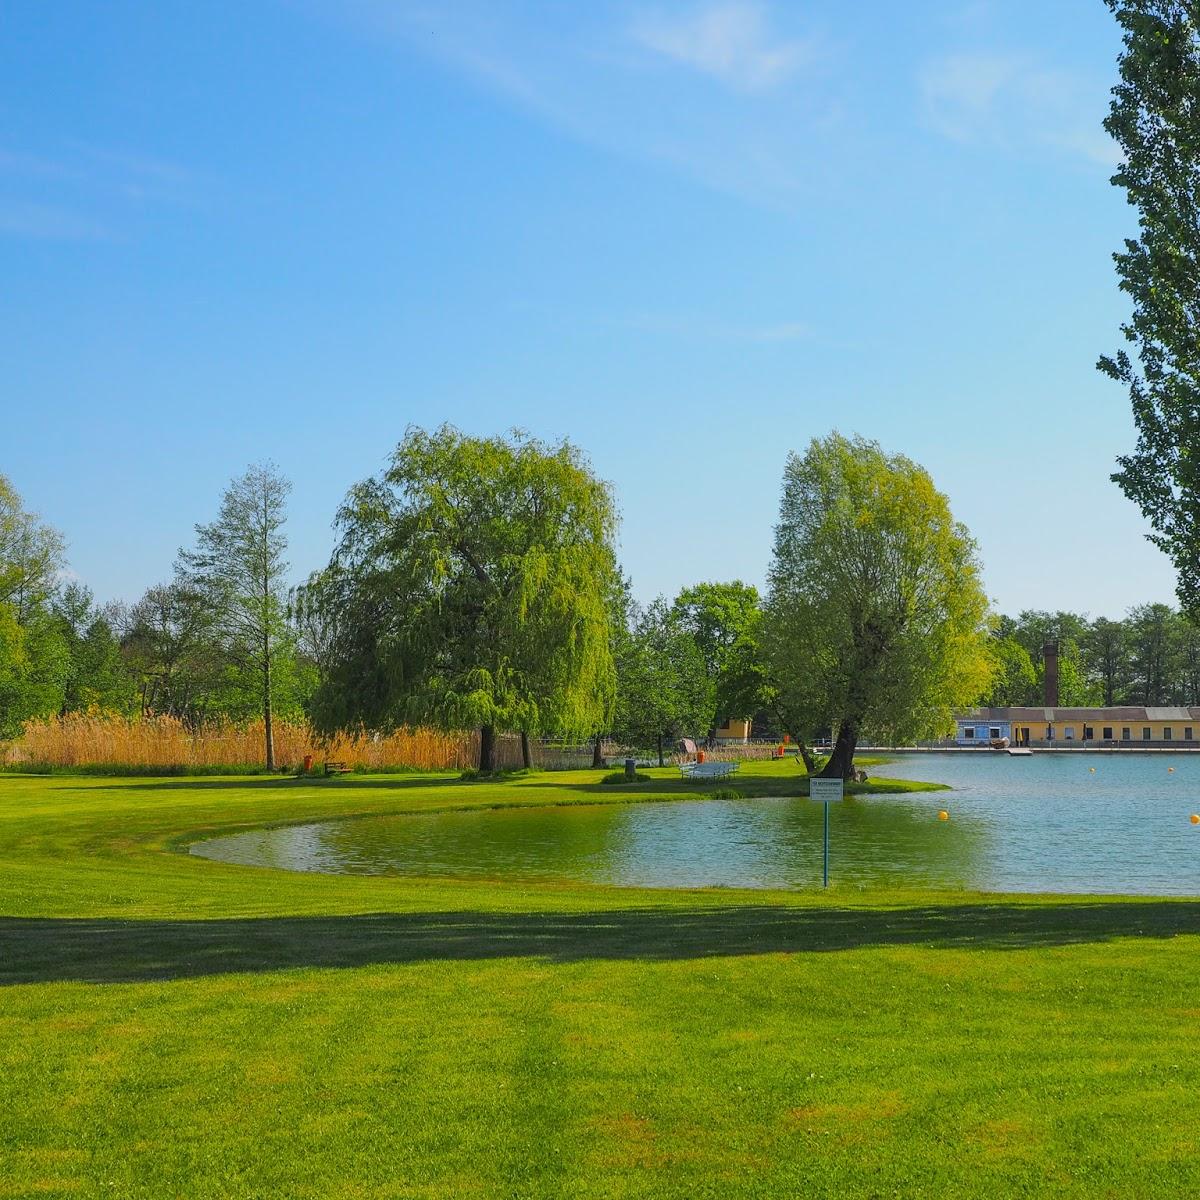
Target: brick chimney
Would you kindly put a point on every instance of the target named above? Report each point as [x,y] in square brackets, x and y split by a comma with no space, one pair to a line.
[1050,658]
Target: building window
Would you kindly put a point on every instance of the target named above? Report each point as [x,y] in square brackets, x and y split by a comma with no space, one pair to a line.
[1088,733]
[1049,733]
[968,732]
[1187,733]
[1108,733]
[994,733]
[1145,733]
[1069,732]
[1166,733]
[1126,733]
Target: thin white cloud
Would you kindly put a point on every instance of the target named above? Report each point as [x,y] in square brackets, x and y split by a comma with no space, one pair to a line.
[1013,101]
[631,79]
[84,191]
[729,40]
[48,222]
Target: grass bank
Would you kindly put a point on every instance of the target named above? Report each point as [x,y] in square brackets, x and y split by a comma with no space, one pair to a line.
[174,1026]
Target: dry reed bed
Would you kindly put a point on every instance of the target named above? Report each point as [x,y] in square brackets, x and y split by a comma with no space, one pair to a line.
[106,739]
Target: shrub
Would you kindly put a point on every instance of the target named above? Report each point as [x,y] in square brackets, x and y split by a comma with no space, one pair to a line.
[621,777]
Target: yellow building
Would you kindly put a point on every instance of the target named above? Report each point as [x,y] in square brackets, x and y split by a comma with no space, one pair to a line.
[734,730]
[1126,725]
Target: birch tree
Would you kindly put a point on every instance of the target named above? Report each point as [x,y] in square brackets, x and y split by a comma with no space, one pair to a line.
[239,568]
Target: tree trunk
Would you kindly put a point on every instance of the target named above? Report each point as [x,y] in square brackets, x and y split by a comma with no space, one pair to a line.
[661,760]
[487,748]
[807,757]
[268,726]
[841,761]
[526,757]
[597,755]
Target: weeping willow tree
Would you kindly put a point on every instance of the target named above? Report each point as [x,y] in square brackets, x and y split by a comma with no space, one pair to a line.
[876,619]
[470,589]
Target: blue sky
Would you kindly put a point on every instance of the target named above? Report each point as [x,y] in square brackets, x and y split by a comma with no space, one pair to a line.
[688,236]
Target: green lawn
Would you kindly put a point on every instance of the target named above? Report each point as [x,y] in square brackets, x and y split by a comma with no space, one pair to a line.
[171,1026]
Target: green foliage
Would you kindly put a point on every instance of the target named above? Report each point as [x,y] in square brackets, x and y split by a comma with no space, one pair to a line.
[31,556]
[1105,649]
[725,619]
[98,676]
[236,578]
[498,775]
[1152,657]
[1015,678]
[472,587]
[663,689]
[1153,119]
[876,619]
[34,656]
[14,665]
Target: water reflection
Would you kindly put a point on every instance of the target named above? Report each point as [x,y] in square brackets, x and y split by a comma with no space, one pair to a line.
[1041,824]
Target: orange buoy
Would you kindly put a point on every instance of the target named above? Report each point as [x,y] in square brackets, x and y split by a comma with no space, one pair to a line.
[943,815]
[1195,818]
[1170,770]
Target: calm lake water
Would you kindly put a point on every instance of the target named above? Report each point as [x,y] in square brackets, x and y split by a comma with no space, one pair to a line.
[1044,823]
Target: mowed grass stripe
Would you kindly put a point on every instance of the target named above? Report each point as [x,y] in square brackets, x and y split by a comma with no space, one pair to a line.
[171,1026]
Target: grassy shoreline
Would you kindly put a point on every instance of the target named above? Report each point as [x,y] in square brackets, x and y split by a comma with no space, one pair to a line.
[171,1025]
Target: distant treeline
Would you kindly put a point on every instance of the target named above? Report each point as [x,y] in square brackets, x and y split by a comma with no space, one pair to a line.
[168,679]
[1152,656]
[166,655]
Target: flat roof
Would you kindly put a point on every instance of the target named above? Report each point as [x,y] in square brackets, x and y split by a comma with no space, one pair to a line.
[1124,712]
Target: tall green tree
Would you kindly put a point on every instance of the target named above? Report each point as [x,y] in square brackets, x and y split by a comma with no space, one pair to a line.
[98,676]
[876,618]
[171,646]
[471,588]
[1106,656]
[34,656]
[724,619]
[1155,634]
[32,556]
[14,667]
[663,689]
[1155,121]
[239,567]
[1015,680]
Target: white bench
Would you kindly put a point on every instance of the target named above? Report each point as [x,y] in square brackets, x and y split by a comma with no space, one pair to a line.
[707,770]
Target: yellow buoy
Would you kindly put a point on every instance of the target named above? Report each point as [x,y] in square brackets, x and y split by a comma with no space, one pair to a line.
[1196,818]
[1092,769]
[943,815]
[1170,770]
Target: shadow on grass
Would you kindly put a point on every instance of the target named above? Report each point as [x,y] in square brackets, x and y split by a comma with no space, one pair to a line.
[41,950]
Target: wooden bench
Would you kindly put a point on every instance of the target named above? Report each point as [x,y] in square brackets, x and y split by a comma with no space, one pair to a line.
[707,770]
[336,768]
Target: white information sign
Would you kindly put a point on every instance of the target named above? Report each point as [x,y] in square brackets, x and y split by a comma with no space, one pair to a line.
[825,789]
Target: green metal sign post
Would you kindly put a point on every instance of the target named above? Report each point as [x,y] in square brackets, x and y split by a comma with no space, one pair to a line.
[825,790]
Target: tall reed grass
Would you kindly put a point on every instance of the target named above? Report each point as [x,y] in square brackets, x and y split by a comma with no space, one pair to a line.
[108,739]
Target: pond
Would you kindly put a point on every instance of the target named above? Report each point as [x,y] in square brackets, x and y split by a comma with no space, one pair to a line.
[1047,823]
